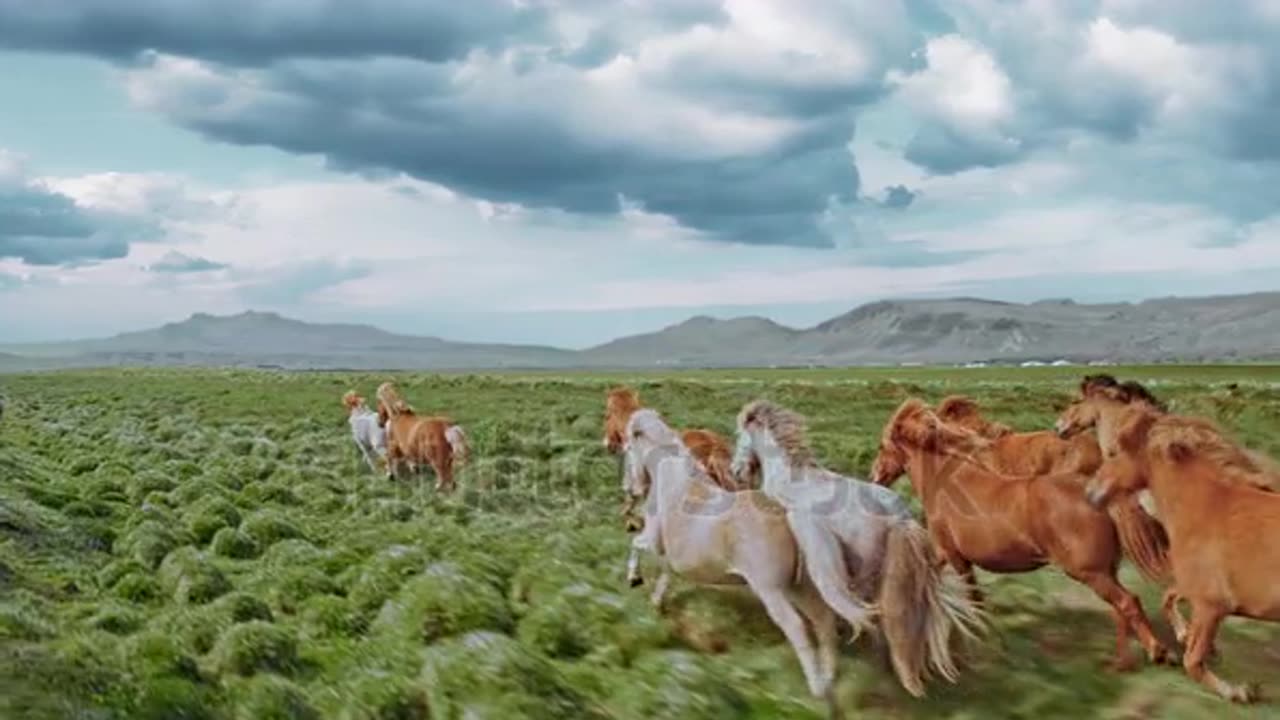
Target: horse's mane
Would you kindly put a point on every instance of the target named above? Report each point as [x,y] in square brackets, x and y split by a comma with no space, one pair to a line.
[351,400]
[786,426]
[1128,392]
[962,410]
[390,404]
[1180,439]
[621,400]
[648,422]
[914,424]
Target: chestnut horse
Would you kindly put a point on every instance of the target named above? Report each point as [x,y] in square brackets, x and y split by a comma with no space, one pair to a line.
[1008,523]
[416,440]
[1044,453]
[1225,533]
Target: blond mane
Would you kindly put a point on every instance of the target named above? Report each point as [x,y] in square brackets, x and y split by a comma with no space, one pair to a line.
[1181,438]
[390,404]
[621,401]
[787,428]
[352,400]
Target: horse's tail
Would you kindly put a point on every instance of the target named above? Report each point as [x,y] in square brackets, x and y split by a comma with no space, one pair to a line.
[822,557]
[1142,538]
[920,607]
[458,444]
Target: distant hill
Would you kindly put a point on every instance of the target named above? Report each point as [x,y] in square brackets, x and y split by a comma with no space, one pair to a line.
[268,339]
[955,330]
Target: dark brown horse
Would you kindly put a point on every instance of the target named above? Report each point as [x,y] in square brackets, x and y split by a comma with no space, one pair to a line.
[1009,523]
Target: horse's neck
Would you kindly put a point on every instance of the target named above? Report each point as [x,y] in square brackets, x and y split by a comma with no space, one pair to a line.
[670,488]
[930,471]
[779,472]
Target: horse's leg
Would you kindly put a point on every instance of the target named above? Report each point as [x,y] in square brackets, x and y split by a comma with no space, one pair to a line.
[646,541]
[1128,614]
[824,560]
[1205,619]
[367,459]
[784,615]
[1169,605]
[660,589]
[824,622]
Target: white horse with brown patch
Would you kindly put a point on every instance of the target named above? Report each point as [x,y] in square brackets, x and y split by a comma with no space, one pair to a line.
[855,534]
[712,536]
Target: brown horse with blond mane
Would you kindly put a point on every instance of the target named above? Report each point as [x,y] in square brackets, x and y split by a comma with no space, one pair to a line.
[708,448]
[1224,530]
[415,440]
[1009,523]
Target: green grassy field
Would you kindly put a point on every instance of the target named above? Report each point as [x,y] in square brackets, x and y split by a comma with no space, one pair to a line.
[205,544]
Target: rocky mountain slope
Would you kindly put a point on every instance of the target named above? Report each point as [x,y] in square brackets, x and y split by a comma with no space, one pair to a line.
[956,330]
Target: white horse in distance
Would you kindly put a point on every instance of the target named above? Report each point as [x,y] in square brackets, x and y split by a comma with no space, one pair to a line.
[369,437]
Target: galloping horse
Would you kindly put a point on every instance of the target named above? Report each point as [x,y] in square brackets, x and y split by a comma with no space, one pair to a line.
[1045,453]
[1008,523]
[853,534]
[1103,404]
[369,437]
[707,447]
[715,537]
[417,440]
[1224,531]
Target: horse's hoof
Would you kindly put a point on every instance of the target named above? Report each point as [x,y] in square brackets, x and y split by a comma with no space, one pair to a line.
[1244,694]
[636,581]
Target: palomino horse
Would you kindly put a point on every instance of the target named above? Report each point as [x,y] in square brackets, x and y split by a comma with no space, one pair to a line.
[419,440]
[1008,523]
[715,537]
[1106,405]
[1045,453]
[1225,533]
[853,534]
[708,448]
[370,439]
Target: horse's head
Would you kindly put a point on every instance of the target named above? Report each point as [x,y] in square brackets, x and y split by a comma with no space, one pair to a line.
[644,433]
[766,431]
[1123,472]
[351,400]
[619,404]
[914,428]
[1079,416]
[907,427]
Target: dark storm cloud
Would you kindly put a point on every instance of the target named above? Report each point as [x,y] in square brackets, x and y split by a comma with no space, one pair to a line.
[493,99]
[259,31]
[41,227]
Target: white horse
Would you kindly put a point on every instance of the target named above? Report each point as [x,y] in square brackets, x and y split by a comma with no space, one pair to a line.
[370,438]
[712,536]
[853,533]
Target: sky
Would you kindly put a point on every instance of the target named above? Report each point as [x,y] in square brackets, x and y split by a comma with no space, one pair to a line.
[567,171]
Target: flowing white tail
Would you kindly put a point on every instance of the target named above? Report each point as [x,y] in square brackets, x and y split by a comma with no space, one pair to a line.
[458,444]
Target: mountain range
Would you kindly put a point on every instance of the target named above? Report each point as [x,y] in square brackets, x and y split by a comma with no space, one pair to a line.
[941,331]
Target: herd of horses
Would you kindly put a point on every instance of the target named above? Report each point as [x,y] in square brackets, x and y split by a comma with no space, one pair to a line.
[1119,476]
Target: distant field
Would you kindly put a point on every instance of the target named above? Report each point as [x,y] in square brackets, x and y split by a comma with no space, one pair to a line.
[204,544]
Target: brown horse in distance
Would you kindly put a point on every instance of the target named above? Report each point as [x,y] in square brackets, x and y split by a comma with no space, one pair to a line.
[415,440]
[1009,523]
[707,446]
[1225,531]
